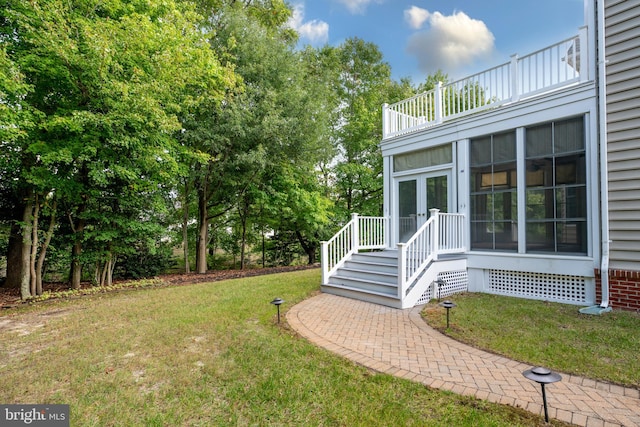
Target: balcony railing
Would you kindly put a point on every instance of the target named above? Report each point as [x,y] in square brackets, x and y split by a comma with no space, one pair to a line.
[560,65]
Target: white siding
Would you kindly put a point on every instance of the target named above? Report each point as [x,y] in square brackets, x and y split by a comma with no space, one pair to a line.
[622,41]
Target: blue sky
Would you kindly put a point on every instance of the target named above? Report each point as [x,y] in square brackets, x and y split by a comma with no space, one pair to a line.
[418,37]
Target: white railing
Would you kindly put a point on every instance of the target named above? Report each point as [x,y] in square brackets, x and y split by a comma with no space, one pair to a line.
[443,233]
[556,66]
[362,232]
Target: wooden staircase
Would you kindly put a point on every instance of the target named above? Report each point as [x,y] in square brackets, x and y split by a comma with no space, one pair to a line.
[373,277]
[358,261]
[367,276]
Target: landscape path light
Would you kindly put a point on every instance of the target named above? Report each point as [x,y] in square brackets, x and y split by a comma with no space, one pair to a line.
[542,376]
[277,303]
[448,305]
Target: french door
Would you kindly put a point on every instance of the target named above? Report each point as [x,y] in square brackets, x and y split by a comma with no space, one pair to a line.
[416,195]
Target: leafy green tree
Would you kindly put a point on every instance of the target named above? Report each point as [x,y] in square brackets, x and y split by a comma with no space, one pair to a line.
[275,117]
[109,80]
[362,81]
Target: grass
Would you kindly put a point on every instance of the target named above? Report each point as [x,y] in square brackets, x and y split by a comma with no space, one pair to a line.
[209,354]
[554,335]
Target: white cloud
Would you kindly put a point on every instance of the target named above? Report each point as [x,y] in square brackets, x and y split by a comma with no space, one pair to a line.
[450,43]
[317,32]
[358,7]
[416,16]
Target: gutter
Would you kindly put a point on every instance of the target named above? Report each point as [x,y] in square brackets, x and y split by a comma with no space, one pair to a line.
[604,169]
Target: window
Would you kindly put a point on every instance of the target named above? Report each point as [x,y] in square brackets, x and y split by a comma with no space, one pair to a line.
[556,193]
[423,158]
[494,209]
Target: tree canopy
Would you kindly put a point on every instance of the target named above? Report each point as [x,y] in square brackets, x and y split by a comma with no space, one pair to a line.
[133,127]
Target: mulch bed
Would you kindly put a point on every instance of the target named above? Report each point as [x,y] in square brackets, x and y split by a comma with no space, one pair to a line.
[10,297]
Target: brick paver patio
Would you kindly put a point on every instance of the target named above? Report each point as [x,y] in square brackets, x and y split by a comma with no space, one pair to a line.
[400,343]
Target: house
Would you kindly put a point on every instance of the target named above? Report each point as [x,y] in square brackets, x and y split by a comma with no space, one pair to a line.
[520,180]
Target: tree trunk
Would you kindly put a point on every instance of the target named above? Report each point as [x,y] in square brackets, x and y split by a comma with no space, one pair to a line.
[243,243]
[103,274]
[185,233]
[203,232]
[76,265]
[14,256]
[112,266]
[25,259]
[45,246]
[263,249]
[309,247]
[34,245]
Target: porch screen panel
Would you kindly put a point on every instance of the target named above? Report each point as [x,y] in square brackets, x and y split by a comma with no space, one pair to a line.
[494,210]
[556,193]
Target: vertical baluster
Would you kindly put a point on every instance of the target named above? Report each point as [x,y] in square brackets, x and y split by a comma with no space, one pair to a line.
[473,97]
[558,61]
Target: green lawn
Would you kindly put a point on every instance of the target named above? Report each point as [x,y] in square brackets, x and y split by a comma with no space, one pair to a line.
[557,336]
[208,355]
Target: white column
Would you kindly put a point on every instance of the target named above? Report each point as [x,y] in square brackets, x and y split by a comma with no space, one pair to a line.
[387,200]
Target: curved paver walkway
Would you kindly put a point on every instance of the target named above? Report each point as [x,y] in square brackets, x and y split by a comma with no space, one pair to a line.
[400,343]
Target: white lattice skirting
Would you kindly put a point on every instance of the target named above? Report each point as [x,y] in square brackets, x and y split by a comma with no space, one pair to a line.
[449,283]
[552,287]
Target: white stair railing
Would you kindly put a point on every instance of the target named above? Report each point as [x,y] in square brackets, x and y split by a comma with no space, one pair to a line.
[361,233]
[443,233]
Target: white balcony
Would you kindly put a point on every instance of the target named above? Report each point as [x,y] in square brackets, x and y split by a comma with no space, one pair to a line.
[558,66]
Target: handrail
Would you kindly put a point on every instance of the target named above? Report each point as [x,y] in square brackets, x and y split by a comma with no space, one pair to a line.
[442,233]
[559,65]
[362,232]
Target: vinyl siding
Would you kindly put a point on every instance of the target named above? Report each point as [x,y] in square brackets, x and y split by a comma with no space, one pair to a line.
[622,44]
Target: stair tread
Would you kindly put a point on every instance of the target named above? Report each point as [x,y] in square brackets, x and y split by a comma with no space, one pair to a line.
[366,291]
[362,270]
[374,262]
[368,281]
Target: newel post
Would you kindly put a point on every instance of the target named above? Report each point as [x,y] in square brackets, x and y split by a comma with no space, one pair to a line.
[435,236]
[385,120]
[438,101]
[324,261]
[515,91]
[581,53]
[355,232]
[402,268]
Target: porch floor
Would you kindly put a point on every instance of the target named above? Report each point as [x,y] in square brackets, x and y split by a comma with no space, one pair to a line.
[400,343]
